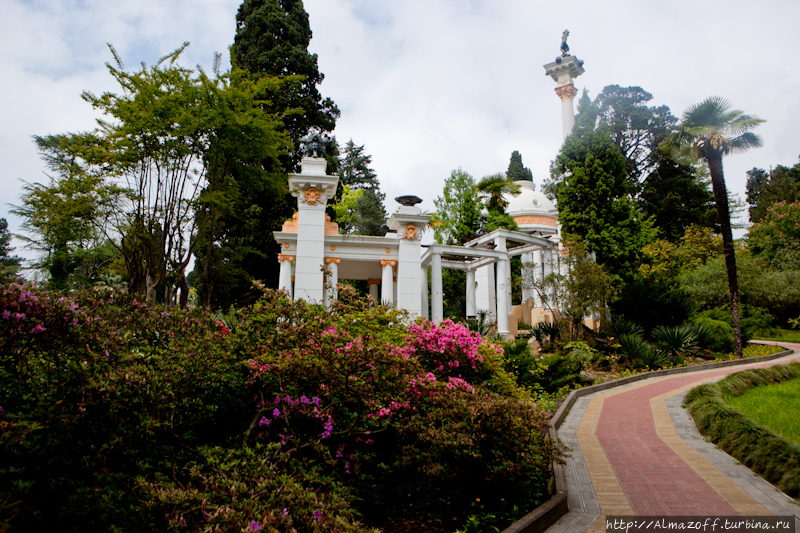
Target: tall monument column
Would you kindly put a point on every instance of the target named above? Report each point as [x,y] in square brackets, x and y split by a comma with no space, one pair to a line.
[563,71]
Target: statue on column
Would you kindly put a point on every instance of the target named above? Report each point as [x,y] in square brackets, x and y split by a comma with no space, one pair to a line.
[314,144]
[564,45]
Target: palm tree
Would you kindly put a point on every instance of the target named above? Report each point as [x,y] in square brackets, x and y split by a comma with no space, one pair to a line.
[493,187]
[708,131]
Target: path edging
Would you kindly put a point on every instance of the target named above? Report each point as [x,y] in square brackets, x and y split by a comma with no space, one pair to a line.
[545,515]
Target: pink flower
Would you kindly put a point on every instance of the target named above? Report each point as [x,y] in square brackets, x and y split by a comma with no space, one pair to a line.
[38,328]
[254,526]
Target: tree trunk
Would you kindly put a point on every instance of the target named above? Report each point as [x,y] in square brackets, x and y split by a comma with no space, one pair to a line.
[714,159]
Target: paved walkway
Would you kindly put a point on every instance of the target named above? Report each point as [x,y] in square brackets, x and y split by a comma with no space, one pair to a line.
[635,451]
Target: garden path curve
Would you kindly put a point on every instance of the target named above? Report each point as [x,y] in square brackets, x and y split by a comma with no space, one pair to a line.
[635,451]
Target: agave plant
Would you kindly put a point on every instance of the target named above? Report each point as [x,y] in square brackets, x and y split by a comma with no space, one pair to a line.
[552,330]
[640,353]
[675,341]
[481,323]
[538,333]
[622,327]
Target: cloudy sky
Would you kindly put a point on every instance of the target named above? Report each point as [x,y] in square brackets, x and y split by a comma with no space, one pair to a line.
[426,85]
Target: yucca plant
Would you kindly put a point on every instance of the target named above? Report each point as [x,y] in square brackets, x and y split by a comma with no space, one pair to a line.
[551,330]
[622,327]
[640,353]
[676,341]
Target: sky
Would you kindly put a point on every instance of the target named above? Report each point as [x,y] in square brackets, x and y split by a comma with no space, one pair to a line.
[427,86]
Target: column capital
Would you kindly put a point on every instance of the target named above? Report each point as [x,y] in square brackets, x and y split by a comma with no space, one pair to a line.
[329,260]
[285,257]
[388,262]
[373,281]
[566,92]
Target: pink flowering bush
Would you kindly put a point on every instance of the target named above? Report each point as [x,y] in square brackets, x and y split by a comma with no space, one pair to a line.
[778,230]
[300,418]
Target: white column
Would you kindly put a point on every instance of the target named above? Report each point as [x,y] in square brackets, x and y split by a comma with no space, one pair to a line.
[309,278]
[387,282]
[409,270]
[424,305]
[547,269]
[502,298]
[437,303]
[485,288]
[331,292]
[471,311]
[567,94]
[503,275]
[537,276]
[285,277]
[373,289]
[527,277]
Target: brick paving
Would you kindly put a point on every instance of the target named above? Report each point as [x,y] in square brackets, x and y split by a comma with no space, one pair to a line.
[635,453]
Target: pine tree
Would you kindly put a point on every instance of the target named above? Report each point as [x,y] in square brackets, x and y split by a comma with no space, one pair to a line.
[517,172]
[358,205]
[9,265]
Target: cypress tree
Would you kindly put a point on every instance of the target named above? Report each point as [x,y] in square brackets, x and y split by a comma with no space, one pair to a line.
[517,172]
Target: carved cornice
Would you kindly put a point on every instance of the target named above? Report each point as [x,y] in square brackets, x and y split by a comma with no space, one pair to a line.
[527,220]
[388,262]
[329,260]
[290,226]
[567,92]
[285,257]
[331,228]
[373,281]
[411,232]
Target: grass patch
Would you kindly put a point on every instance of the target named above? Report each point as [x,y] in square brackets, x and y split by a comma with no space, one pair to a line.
[773,406]
[785,335]
[755,446]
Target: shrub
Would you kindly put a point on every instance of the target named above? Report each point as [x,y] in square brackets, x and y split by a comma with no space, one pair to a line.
[676,341]
[717,335]
[558,371]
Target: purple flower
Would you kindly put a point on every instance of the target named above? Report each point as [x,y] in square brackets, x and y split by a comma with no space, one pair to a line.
[264,421]
[276,412]
[38,328]
[165,315]
[19,316]
[73,306]
[303,399]
[181,522]
[6,314]
[254,526]
[284,513]
[317,515]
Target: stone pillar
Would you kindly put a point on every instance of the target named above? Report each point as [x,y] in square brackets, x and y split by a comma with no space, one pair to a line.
[387,284]
[537,276]
[409,223]
[503,277]
[502,297]
[527,277]
[373,289]
[313,188]
[567,94]
[331,291]
[547,269]
[471,310]
[424,305]
[485,291]
[285,277]
[437,302]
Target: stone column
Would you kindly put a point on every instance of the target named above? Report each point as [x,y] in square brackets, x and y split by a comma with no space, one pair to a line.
[537,276]
[373,289]
[285,277]
[437,302]
[471,310]
[527,277]
[547,269]
[502,297]
[564,71]
[387,284]
[567,94]
[424,305]
[485,289]
[331,291]
[503,277]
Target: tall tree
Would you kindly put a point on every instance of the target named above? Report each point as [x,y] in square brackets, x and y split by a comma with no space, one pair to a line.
[9,264]
[272,38]
[358,204]
[516,171]
[67,222]
[457,210]
[710,130]
[594,201]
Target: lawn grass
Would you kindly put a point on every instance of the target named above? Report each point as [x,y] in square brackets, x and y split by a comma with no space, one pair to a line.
[775,406]
[777,334]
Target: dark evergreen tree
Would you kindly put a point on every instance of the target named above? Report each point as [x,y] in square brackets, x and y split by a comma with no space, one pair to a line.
[594,201]
[516,171]
[358,206]
[676,198]
[272,38]
[354,170]
[781,184]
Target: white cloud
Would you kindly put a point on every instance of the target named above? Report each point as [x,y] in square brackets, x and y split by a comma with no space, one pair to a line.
[426,85]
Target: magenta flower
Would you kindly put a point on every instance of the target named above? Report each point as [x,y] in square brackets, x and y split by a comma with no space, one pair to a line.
[6,314]
[254,526]
[276,412]
[317,515]
[38,328]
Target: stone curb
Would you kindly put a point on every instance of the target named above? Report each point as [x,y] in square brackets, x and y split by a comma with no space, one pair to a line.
[544,516]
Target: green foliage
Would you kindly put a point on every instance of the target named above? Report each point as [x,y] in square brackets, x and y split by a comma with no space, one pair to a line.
[558,371]
[758,448]
[117,415]
[773,406]
[581,351]
[9,264]
[457,210]
[764,189]
[620,327]
[676,341]
[640,353]
[715,335]
[595,205]
[493,188]
[516,171]
[778,229]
